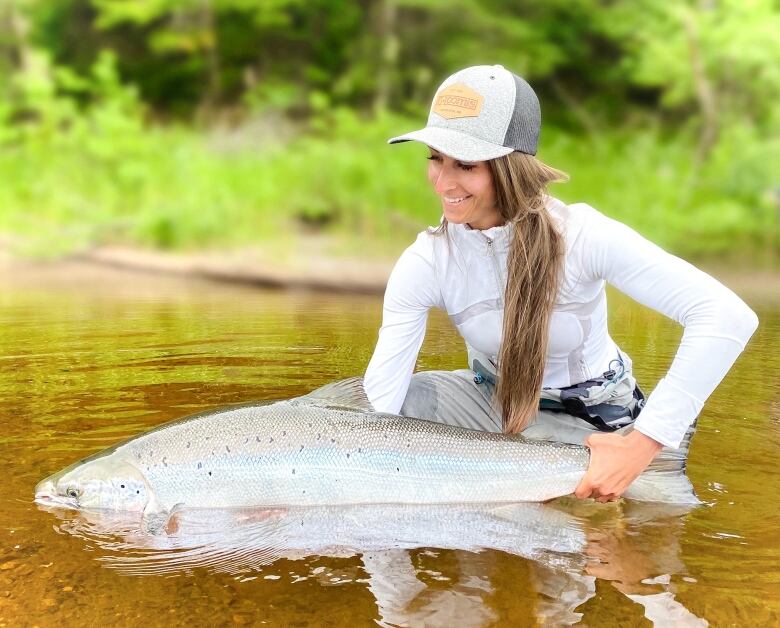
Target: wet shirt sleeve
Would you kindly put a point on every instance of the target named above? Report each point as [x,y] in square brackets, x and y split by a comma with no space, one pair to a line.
[411,291]
[717,323]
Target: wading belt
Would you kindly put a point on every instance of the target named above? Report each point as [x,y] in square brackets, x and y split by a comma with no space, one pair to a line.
[606,417]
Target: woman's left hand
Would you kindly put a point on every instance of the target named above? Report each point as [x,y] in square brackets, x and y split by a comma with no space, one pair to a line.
[615,462]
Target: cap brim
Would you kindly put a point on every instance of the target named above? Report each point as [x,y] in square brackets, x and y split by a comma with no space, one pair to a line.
[455,144]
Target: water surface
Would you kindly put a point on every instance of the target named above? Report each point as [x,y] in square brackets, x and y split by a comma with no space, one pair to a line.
[88,358]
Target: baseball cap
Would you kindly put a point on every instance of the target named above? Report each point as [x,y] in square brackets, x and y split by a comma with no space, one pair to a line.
[479,113]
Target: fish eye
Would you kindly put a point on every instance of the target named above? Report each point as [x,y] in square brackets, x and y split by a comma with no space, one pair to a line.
[72,492]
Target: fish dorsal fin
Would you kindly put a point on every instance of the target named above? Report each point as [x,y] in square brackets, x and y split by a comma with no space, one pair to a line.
[345,393]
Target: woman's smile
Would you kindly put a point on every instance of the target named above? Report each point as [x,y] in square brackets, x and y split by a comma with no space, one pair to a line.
[455,201]
[466,190]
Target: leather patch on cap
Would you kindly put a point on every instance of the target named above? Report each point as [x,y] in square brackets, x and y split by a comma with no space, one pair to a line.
[458,101]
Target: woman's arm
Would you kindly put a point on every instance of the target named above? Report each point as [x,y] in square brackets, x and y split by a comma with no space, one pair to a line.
[717,325]
[411,291]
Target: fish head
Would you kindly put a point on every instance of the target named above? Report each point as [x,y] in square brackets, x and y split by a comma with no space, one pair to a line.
[97,484]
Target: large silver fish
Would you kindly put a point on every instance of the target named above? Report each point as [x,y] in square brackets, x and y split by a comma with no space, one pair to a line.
[328,448]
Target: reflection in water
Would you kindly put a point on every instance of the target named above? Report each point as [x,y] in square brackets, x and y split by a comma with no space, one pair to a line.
[242,540]
[637,549]
[570,544]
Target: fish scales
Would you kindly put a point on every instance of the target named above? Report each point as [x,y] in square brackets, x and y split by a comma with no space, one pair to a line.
[282,454]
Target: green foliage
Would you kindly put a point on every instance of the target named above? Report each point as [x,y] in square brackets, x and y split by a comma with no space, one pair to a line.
[664,114]
[736,40]
[170,188]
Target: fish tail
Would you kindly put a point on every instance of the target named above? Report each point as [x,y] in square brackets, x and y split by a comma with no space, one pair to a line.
[665,479]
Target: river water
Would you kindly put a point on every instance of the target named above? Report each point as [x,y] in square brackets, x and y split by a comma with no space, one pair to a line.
[91,357]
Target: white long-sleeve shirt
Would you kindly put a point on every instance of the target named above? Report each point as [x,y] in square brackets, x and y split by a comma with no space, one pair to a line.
[464,274]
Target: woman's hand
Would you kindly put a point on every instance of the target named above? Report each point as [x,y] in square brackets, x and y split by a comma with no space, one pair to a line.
[615,462]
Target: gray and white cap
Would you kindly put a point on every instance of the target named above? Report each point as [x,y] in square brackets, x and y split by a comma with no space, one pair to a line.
[481,113]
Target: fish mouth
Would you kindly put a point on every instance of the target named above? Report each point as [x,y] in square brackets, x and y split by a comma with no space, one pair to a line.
[46,495]
[45,490]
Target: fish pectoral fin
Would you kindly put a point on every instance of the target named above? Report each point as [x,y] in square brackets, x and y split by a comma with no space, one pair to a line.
[154,523]
[346,393]
[174,519]
[158,520]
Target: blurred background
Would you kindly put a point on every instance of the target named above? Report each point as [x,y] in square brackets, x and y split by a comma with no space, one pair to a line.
[195,125]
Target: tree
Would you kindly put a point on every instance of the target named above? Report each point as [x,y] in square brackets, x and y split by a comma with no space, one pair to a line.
[720,59]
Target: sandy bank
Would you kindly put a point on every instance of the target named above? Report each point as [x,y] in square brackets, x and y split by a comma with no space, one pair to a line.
[309,270]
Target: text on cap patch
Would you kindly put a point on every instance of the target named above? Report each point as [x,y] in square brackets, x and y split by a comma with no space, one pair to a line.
[458,101]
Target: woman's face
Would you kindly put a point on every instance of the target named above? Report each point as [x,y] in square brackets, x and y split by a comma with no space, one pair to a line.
[466,190]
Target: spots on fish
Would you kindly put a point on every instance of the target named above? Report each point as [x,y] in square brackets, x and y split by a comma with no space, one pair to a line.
[227,448]
[397,469]
[188,444]
[332,440]
[284,433]
[360,450]
[257,438]
[200,464]
[293,471]
[121,486]
[246,440]
[347,455]
[301,449]
[209,472]
[319,436]
[309,424]
[271,440]
[165,461]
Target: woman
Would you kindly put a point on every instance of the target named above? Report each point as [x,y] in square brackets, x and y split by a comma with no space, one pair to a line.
[522,277]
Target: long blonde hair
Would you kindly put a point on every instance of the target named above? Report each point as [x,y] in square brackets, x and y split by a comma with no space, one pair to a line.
[534,269]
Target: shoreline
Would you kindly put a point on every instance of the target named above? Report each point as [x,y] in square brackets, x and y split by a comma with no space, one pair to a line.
[314,271]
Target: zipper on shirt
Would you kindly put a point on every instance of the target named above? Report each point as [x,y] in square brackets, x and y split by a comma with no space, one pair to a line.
[496,269]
